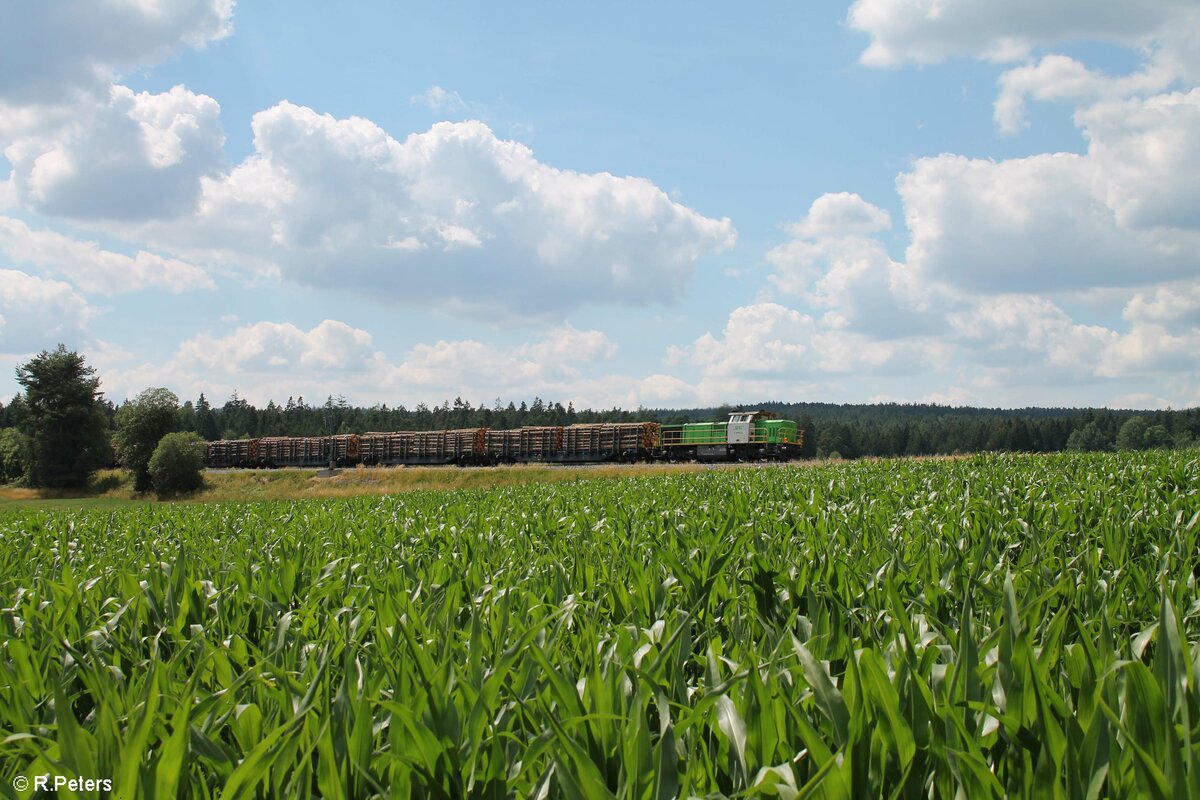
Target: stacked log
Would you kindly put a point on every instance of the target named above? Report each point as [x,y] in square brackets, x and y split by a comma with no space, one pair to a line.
[307,451]
[344,447]
[416,446]
[530,443]
[231,453]
[611,438]
[540,440]
[503,445]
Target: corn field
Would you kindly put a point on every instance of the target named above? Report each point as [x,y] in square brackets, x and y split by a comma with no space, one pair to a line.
[985,627]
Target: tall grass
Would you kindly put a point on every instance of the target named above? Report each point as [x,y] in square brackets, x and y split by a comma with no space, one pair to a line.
[113,488]
[976,628]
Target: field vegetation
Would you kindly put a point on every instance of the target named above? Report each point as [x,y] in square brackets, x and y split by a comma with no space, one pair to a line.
[115,487]
[979,627]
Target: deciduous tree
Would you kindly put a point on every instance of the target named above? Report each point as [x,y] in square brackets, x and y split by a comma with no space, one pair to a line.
[141,423]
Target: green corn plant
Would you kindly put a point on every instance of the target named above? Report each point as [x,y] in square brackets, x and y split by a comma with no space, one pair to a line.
[980,627]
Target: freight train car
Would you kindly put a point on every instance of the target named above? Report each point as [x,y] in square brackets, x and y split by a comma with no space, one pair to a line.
[307,451]
[465,446]
[575,444]
[747,436]
[533,443]
[231,454]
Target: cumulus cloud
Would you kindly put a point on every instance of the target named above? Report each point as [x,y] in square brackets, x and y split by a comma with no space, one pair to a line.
[1124,214]
[283,348]
[453,215]
[1058,77]
[768,350]
[765,338]
[272,360]
[92,268]
[134,156]
[840,214]
[1144,151]
[1149,349]
[1046,222]
[834,263]
[552,360]
[928,31]
[771,341]
[1025,330]
[82,146]
[37,313]
[52,53]
[566,345]
[968,304]
[1172,304]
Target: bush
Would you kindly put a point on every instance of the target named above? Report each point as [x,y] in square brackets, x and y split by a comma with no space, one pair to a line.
[177,465]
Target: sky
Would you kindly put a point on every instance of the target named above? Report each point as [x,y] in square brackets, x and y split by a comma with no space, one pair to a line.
[668,204]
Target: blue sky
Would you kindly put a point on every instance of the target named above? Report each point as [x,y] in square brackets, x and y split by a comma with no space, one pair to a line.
[610,204]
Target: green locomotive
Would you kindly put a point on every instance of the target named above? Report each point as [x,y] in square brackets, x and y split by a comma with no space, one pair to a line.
[746,436]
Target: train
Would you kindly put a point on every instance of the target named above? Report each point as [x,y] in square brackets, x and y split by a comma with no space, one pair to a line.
[745,436]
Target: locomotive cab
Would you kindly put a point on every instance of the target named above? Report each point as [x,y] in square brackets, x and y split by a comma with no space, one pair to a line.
[741,425]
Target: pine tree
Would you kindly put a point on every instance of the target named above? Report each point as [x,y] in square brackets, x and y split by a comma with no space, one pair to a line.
[65,419]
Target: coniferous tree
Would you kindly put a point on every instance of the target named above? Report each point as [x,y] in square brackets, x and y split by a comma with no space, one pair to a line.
[65,419]
[206,423]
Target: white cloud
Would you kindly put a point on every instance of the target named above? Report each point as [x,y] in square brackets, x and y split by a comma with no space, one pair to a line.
[840,214]
[84,147]
[1058,77]
[566,345]
[929,31]
[1041,223]
[767,345]
[953,313]
[1145,151]
[283,348]
[131,157]
[453,215]
[1028,331]
[759,339]
[37,313]
[54,52]
[554,360]
[92,268]
[441,101]
[1149,349]
[273,360]
[1032,336]
[834,264]
[1171,304]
